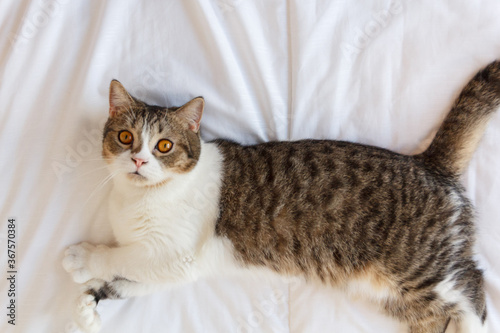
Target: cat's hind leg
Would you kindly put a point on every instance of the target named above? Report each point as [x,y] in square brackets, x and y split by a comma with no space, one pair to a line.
[463,292]
[471,323]
[421,314]
[430,325]
[472,315]
[423,309]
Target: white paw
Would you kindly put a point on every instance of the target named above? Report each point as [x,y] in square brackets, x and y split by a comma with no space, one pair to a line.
[95,284]
[86,316]
[76,260]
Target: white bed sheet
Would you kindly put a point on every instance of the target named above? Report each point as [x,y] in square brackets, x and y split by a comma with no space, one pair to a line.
[382,72]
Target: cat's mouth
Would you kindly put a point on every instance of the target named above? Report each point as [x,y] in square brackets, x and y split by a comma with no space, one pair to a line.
[136,176]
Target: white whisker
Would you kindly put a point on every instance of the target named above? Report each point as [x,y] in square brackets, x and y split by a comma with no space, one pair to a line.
[100,168]
[101,185]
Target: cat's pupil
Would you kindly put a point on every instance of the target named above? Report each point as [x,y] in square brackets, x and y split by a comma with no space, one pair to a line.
[164,145]
[125,137]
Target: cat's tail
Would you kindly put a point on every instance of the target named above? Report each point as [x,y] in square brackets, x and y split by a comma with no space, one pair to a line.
[463,128]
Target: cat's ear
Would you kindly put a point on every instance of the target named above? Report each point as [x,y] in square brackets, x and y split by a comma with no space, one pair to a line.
[191,113]
[119,99]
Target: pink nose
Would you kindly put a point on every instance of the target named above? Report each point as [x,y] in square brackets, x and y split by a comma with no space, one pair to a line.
[139,161]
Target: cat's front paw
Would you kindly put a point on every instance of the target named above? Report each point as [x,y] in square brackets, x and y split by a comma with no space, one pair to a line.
[76,261]
[86,316]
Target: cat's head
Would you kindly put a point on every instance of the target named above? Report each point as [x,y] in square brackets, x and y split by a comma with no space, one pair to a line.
[149,145]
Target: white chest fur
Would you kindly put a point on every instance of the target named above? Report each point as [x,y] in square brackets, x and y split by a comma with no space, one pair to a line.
[178,217]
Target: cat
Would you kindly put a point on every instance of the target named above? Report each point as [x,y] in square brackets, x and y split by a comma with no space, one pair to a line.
[332,211]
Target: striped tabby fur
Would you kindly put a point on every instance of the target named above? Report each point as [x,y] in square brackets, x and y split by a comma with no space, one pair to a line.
[346,214]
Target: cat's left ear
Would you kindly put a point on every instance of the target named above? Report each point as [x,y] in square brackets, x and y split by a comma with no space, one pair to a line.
[119,99]
[191,113]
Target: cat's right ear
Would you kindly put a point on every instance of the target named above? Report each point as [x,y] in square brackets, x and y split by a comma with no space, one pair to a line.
[119,99]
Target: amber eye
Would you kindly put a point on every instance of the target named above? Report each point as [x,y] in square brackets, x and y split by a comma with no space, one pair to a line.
[125,137]
[164,145]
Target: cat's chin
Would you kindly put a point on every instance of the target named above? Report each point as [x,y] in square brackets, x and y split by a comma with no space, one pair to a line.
[142,181]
